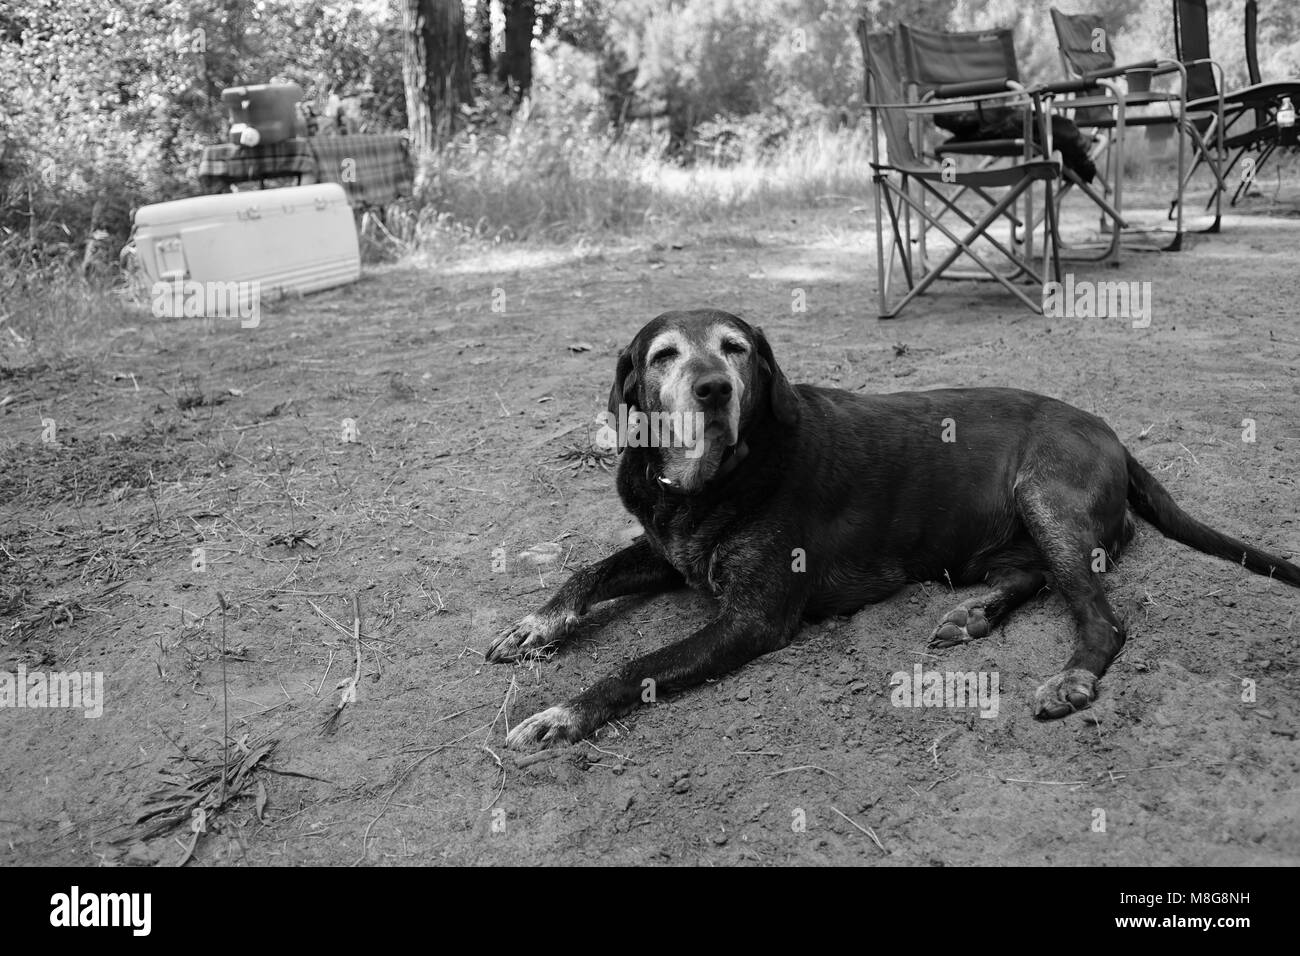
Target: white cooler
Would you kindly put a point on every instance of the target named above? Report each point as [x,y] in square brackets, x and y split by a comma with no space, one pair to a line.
[293,240]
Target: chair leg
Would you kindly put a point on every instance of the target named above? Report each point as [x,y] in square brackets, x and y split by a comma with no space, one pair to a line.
[1246,181]
[1051,239]
[1007,211]
[1110,219]
[964,246]
[1183,178]
[1202,157]
[882,276]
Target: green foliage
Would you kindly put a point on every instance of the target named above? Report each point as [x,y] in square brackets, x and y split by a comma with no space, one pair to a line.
[1279,39]
[558,179]
[1141,29]
[105,106]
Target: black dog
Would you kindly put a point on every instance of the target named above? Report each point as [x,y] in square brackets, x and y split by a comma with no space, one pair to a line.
[792,502]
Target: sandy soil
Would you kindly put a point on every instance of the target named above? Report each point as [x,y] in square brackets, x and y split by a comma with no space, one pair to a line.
[465,416]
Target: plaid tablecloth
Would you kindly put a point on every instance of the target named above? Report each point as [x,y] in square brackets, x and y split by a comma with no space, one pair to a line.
[373,169]
[226,163]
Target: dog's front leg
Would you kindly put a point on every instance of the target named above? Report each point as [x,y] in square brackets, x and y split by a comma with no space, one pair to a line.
[637,569]
[731,640]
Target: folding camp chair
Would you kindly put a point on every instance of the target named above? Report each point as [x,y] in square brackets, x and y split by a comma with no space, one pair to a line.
[1088,55]
[943,64]
[904,183]
[1275,136]
[1259,100]
[1288,136]
[954,67]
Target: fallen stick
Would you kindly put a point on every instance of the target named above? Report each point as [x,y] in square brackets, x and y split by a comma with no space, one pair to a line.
[539,757]
[867,830]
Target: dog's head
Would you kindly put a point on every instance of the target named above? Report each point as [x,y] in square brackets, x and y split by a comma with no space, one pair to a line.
[699,381]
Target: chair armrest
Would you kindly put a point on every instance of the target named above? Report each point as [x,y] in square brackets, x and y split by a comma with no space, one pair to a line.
[980,147]
[1145,66]
[1066,86]
[972,88]
[928,107]
[1089,80]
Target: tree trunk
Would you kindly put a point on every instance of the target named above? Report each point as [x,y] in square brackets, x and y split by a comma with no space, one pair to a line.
[515,70]
[483,36]
[435,68]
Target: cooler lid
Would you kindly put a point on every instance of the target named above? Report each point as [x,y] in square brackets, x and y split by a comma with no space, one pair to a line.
[234,204]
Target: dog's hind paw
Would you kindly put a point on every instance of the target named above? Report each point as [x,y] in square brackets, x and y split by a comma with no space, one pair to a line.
[531,636]
[555,725]
[960,625]
[1065,693]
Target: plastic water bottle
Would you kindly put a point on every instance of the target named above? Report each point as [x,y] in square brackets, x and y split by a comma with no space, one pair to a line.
[1285,114]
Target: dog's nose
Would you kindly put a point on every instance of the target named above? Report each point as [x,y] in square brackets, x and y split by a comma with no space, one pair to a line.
[713,391]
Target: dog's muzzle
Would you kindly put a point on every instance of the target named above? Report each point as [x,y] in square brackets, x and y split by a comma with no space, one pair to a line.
[712,391]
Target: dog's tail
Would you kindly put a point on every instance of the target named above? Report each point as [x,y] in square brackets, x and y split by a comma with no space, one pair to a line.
[1152,502]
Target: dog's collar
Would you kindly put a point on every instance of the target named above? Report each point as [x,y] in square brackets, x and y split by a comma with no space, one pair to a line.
[731,460]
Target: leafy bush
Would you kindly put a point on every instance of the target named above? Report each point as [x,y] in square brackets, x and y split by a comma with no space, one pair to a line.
[106,106]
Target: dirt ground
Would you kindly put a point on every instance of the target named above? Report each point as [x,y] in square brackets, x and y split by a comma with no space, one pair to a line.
[471,424]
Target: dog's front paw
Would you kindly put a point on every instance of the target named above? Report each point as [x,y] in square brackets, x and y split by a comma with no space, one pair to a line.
[960,625]
[553,726]
[1065,693]
[530,636]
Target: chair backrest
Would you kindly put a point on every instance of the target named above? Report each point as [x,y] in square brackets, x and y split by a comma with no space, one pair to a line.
[1192,40]
[1252,53]
[1085,47]
[932,58]
[884,85]
[1084,41]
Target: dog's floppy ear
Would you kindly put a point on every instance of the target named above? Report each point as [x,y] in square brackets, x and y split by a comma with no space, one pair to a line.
[626,382]
[782,397]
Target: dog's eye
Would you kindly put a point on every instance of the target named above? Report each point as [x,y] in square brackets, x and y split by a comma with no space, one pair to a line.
[734,348]
[663,355]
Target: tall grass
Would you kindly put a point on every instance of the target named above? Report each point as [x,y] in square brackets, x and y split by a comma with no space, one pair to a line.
[531,183]
[537,183]
[54,309]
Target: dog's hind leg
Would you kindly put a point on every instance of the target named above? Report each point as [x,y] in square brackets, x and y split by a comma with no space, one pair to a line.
[637,569]
[1009,587]
[1078,528]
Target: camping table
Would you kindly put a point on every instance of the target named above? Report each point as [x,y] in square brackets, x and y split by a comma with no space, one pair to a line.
[223,165]
[373,169]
